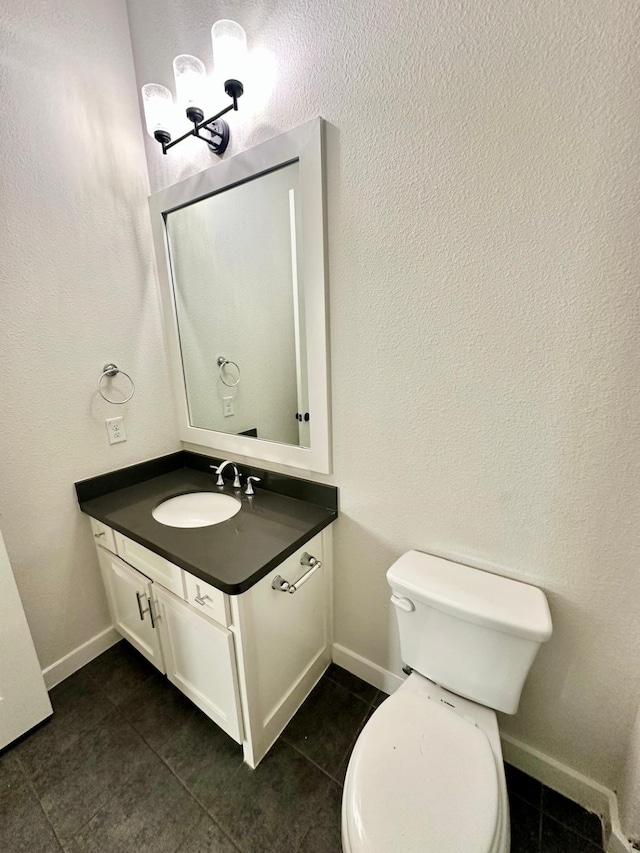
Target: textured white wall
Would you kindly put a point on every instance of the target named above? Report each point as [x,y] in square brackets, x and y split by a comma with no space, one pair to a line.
[77,290]
[482,178]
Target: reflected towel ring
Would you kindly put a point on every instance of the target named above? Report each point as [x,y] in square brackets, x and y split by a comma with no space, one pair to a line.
[222,363]
[112,370]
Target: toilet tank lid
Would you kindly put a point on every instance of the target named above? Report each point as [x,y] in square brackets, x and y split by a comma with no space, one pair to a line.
[474,595]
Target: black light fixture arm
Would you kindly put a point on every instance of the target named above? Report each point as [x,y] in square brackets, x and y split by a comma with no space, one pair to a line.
[218,129]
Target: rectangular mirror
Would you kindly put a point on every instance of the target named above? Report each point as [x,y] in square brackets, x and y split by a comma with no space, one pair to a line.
[239,299]
[241,260]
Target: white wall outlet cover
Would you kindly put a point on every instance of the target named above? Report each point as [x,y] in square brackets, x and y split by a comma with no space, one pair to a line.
[116,430]
[227,406]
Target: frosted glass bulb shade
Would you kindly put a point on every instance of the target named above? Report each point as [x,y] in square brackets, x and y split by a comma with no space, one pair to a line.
[158,106]
[191,82]
[229,43]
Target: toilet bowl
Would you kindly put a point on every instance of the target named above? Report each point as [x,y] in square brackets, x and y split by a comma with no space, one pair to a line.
[426,774]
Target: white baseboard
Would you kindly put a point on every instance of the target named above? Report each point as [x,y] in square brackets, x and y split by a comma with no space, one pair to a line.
[582,790]
[76,659]
[366,669]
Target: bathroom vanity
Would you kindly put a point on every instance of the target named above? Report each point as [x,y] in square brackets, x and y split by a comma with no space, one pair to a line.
[206,605]
[237,613]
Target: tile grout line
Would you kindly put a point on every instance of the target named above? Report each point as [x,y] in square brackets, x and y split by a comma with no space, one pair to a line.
[316,813]
[313,763]
[344,755]
[113,792]
[29,778]
[115,713]
[369,704]
[540,825]
[42,809]
[566,825]
[211,815]
[154,751]
[208,815]
[596,846]
[190,793]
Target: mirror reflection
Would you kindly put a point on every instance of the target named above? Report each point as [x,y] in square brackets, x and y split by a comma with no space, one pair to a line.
[236,262]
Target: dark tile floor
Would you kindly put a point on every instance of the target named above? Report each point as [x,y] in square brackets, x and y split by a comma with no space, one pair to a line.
[128,765]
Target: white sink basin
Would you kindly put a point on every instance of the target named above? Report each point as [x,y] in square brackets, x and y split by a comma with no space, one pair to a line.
[196,509]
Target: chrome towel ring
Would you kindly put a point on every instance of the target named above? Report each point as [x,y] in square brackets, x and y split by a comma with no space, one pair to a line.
[222,363]
[112,370]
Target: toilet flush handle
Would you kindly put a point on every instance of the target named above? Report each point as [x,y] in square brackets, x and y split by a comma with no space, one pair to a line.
[403,603]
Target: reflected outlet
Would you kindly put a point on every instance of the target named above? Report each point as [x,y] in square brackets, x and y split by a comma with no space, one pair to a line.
[227,406]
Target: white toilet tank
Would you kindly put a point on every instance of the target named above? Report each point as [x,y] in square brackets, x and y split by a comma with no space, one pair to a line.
[472,632]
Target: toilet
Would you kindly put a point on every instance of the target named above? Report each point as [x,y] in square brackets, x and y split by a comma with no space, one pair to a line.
[426,774]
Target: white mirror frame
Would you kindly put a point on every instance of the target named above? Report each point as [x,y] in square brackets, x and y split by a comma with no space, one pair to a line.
[304,144]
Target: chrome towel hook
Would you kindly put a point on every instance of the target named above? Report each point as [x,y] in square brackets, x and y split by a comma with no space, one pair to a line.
[112,370]
[222,363]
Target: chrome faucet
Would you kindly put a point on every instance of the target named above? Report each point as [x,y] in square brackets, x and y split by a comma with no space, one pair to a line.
[220,468]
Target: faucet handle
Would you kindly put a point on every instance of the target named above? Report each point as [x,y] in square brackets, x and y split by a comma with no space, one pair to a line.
[249,489]
[216,470]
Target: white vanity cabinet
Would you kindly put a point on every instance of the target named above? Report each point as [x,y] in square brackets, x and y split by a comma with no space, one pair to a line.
[248,661]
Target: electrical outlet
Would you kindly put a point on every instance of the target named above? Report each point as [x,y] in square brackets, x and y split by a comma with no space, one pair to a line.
[227,406]
[115,430]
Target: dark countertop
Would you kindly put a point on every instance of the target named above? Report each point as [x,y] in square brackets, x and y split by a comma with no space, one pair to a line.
[232,555]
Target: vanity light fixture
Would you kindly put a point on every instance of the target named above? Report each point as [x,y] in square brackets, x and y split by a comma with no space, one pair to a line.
[229,50]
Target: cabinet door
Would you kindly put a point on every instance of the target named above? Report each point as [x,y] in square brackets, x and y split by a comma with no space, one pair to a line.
[200,660]
[130,598]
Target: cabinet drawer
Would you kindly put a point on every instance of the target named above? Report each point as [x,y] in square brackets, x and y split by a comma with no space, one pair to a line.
[152,565]
[207,598]
[103,535]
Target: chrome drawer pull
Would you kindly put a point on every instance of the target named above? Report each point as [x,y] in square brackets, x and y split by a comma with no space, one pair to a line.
[282,585]
[98,535]
[153,621]
[201,599]
[140,610]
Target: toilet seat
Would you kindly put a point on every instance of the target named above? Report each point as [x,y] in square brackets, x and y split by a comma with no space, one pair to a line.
[421,778]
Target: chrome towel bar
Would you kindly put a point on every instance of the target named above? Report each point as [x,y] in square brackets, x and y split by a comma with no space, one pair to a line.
[281,585]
